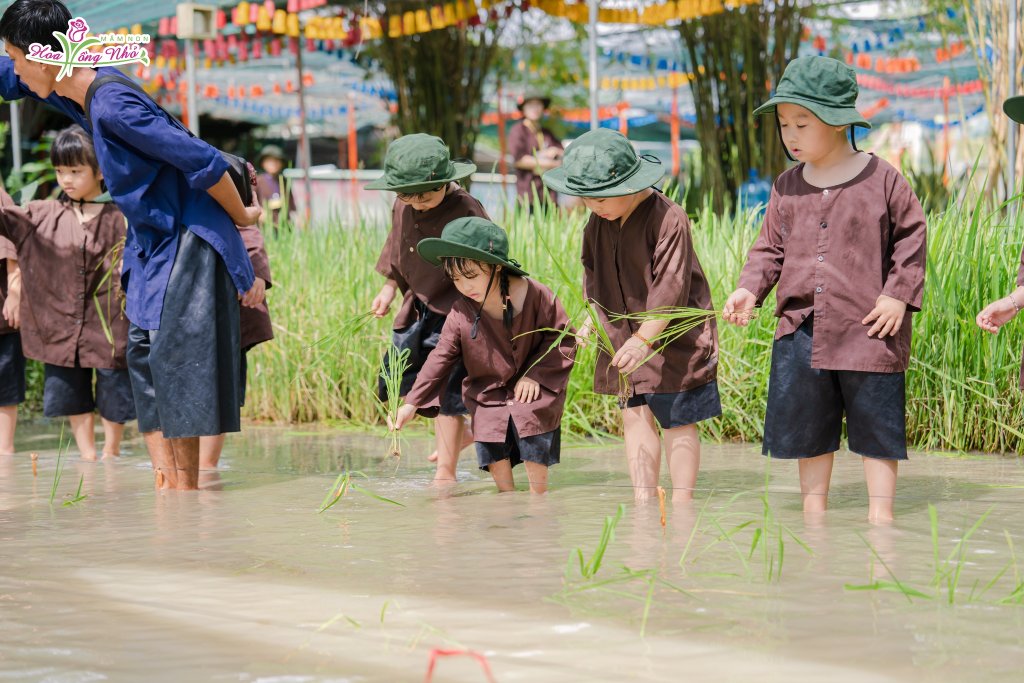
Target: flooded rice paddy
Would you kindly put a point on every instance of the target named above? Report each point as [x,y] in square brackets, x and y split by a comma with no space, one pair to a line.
[246,581]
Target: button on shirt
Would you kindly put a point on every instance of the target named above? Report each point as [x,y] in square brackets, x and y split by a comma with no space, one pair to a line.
[494,364]
[646,264]
[832,252]
[70,294]
[159,176]
[399,260]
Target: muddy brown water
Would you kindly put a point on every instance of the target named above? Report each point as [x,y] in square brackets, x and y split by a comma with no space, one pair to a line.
[246,581]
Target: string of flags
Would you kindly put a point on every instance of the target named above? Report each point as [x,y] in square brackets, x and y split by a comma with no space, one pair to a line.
[650,15]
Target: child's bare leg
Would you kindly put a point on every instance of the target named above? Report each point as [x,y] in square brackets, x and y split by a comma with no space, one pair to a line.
[82,427]
[880,476]
[502,473]
[8,423]
[160,453]
[210,448]
[643,451]
[682,452]
[113,432]
[186,460]
[815,475]
[448,431]
[538,476]
[467,439]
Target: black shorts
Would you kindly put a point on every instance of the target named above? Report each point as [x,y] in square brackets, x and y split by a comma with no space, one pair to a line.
[12,370]
[805,411]
[186,375]
[543,449]
[69,391]
[681,408]
[420,339]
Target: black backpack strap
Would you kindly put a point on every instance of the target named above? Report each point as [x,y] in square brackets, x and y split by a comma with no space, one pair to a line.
[110,78]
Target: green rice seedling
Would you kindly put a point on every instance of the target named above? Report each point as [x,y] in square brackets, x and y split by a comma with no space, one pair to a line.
[397,364]
[342,484]
[948,572]
[589,568]
[59,467]
[78,497]
[893,584]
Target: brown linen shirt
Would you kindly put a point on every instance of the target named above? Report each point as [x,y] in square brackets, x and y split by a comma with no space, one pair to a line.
[649,263]
[522,141]
[7,251]
[832,252]
[68,290]
[400,261]
[496,360]
[254,323]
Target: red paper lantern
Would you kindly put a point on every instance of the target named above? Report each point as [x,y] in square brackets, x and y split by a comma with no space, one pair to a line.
[222,19]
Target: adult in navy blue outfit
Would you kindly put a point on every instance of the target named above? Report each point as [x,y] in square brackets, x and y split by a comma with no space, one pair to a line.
[185,266]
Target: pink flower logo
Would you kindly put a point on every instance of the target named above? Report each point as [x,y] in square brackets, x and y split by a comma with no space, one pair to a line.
[77,28]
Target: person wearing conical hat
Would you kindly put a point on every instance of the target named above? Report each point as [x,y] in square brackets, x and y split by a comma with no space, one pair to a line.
[534,149]
[843,245]
[638,256]
[1001,311]
[419,169]
[514,339]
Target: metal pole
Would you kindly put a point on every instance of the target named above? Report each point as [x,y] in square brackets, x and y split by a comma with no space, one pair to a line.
[1011,135]
[304,151]
[190,80]
[16,136]
[593,63]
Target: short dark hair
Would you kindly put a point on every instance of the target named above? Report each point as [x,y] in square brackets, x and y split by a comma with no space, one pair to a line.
[33,21]
[73,147]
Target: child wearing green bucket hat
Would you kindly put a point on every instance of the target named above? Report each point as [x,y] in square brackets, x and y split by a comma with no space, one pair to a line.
[418,168]
[843,243]
[513,336]
[1001,311]
[638,257]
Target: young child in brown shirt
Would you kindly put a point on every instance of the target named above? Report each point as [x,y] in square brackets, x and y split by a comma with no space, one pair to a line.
[506,329]
[844,240]
[638,257]
[71,307]
[419,170]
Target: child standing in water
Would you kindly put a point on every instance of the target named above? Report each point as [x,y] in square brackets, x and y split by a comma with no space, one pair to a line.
[637,257]
[844,240]
[501,328]
[71,306]
[419,170]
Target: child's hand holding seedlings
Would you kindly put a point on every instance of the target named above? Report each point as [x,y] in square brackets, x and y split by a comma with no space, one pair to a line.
[527,390]
[583,335]
[402,417]
[999,312]
[887,316]
[382,302]
[738,307]
[630,355]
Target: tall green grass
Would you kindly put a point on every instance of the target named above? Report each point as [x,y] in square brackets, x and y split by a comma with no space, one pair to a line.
[962,384]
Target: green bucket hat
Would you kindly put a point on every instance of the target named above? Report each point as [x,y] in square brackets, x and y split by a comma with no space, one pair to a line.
[603,163]
[825,86]
[271,151]
[1014,108]
[471,237]
[419,162]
